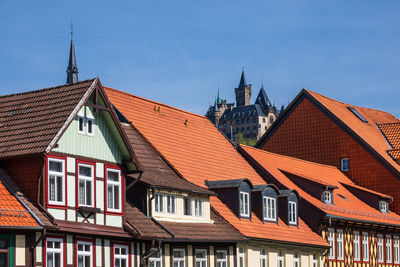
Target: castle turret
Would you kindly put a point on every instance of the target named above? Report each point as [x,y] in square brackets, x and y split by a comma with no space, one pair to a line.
[243,92]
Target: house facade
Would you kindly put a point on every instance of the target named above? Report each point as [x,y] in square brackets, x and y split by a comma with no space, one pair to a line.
[362,142]
[356,222]
[201,155]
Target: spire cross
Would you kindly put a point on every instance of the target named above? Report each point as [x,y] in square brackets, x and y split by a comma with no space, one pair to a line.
[72,30]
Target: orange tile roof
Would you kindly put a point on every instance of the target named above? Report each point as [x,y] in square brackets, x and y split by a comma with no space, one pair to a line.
[369,131]
[352,208]
[12,212]
[392,133]
[199,152]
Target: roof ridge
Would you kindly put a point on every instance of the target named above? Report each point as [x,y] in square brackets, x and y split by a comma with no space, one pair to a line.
[47,88]
[155,102]
[289,157]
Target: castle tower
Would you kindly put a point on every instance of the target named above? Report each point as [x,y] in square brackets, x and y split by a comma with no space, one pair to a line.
[243,92]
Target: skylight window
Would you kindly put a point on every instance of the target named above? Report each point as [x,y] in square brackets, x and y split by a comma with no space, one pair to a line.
[355,112]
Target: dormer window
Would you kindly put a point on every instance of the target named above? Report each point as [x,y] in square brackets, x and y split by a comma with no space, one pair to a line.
[269,211]
[244,204]
[198,207]
[345,164]
[292,212]
[327,197]
[383,206]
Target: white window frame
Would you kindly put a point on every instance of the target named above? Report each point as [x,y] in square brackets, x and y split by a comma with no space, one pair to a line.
[171,204]
[331,241]
[241,254]
[85,179]
[327,197]
[84,253]
[339,244]
[198,207]
[119,257]
[154,260]
[296,260]
[280,260]
[187,207]
[222,262]
[81,119]
[55,173]
[55,250]
[345,167]
[396,249]
[263,257]
[383,206]
[114,184]
[380,248]
[159,202]
[389,250]
[356,245]
[202,261]
[179,260]
[365,247]
[269,212]
[244,203]
[292,212]
[315,260]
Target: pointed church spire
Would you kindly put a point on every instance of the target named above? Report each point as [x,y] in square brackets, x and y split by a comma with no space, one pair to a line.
[242,82]
[218,98]
[72,70]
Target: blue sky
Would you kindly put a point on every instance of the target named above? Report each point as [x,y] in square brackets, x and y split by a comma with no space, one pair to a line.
[179,52]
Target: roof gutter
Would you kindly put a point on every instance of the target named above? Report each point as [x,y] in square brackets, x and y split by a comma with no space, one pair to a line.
[289,243]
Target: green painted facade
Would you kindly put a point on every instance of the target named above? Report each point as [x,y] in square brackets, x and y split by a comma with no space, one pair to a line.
[11,248]
[105,144]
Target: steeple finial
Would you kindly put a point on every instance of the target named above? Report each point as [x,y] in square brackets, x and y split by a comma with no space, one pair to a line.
[242,82]
[72,70]
[72,30]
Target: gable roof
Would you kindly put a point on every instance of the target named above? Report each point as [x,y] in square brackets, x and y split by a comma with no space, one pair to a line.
[199,152]
[280,167]
[376,134]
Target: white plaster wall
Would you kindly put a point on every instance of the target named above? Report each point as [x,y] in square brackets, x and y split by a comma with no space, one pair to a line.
[99,218]
[70,164]
[100,170]
[71,197]
[98,252]
[39,248]
[230,257]
[167,258]
[212,256]
[190,255]
[113,220]
[305,260]
[253,256]
[100,194]
[20,250]
[71,215]
[58,214]
[272,258]
[70,249]
[107,251]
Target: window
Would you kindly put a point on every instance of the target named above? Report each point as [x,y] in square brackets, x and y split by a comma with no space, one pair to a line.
[271,119]
[280,259]
[86,184]
[380,248]
[263,120]
[314,260]
[54,252]
[187,206]
[269,209]
[383,206]
[292,212]
[263,257]
[365,247]
[200,256]
[198,207]
[356,243]
[4,252]
[339,243]
[121,256]
[241,256]
[327,197]
[171,199]
[156,259]
[331,241]
[396,249]
[244,204]
[84,254]
[81,124]
[159,202]
[222,258]
[56,181]
[178,257]
[114,190]
[296,260]
[355,112]
[389,249]
[90,126]
[345,164]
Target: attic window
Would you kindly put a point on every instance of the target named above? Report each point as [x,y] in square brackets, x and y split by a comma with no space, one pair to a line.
[327,197]
[355,112]
[344,164]
[383,206]
[244,204]
[292,212]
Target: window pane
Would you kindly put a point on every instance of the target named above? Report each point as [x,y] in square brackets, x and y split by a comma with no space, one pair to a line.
[3,259]
[57,260]
[110,197]
[116,197]
[85,171]
[52,187]
[82,192]
[59,188]
[88,193]
[113,176]
[55,166]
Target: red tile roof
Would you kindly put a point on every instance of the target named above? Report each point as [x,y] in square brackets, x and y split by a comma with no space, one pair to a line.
[352,208]
[199,152]
[392,133]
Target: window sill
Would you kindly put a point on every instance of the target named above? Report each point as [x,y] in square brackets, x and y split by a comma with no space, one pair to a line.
[89,209]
